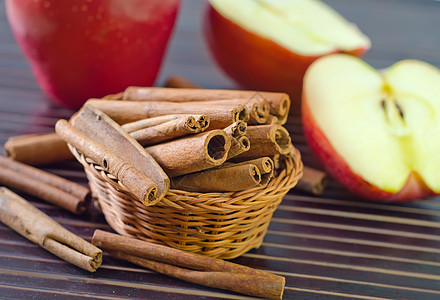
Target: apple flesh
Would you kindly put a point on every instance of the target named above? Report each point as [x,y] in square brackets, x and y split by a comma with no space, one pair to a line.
[375,132]
[91,48]
[268,45]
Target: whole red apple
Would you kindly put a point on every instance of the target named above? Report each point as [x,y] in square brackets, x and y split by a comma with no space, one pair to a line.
[80,49]
[269,44]
[375,132]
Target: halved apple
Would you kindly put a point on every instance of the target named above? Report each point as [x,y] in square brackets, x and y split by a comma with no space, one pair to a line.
[375,132]
[268,45]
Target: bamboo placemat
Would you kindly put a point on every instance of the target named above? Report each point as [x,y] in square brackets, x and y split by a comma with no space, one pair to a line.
[329,247]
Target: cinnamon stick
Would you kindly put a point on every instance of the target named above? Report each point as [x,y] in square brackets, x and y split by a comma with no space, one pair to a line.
[226,178]
[279,102]
[117,96]
[239,145]
[49,187]
[258,107]
[192,267]
[165,131]
[37,149]
[236,129]
[33,224]
[129,111]
[265,165]
[176,81]
[98,126]
[202,121]
[268,140]
[313,181]
[142,187]
[192,153]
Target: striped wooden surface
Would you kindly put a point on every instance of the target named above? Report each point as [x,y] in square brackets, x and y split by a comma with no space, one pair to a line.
[329,247]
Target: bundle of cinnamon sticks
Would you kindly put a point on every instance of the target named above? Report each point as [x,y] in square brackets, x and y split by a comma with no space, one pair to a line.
[203,140]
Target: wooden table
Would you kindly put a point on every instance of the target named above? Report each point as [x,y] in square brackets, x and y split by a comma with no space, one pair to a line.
[329,247]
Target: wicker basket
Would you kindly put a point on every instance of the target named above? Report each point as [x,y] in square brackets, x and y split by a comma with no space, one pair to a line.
[223,225]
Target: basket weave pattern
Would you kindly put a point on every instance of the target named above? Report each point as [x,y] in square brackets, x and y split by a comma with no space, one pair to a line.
[223,225]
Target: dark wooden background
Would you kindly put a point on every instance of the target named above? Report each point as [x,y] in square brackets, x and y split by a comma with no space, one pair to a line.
[329,247]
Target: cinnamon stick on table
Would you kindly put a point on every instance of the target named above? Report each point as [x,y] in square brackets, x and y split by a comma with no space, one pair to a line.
[49,187]
[39,228]
[192,267]
[313,181]
[176,81]
[37,149]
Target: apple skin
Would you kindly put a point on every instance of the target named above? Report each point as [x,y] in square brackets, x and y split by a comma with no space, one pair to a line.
[255,62]
[79,49]
[336,166]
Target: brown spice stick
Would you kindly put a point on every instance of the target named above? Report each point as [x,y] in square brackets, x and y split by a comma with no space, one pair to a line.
[39,228]
[98,126]
[136,182]
[239,145]
[313,181]
[176,81]
[54,189]
[236,129]
[221,179]
[265,165]
[264,284]
[192,153]
[166,131]
[258,109]
[37,149]
[117,96]
[129,111]
[279,102]
[202,121]
[268,140]
[253,285]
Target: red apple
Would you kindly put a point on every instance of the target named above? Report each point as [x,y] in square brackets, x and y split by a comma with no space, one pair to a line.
[375,132]
[268,45]
[80,49]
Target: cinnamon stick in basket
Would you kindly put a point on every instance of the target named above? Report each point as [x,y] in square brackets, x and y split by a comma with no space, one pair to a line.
[97,126]
[168,130]
[279,102]
[268,140]
[265,165]
[142,187]
[201,120]
[37,149]
[49,187]
[192,267]
[229,178]
[192,153]
[236,129]
[129,111]
[258,108]
[33,224]
[239,142]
